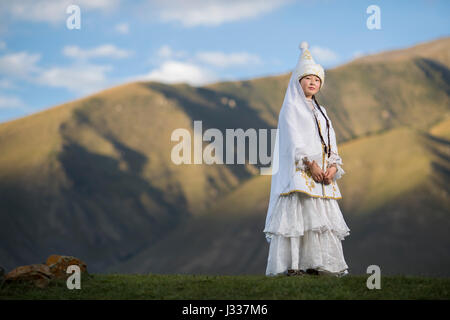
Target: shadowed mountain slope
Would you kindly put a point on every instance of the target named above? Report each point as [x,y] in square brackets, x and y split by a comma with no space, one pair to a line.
[94,178]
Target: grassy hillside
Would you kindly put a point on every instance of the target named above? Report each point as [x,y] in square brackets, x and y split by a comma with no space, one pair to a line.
[442,128]
[94,178]
[200,287]
[398,216]
[436,50]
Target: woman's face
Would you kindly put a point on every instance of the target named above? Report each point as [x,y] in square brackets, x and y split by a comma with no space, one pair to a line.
[310,85]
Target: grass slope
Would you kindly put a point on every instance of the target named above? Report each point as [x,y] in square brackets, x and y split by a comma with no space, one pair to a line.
[198,287]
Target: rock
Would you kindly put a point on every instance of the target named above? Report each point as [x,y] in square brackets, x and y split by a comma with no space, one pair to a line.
[58,265]
[39,274]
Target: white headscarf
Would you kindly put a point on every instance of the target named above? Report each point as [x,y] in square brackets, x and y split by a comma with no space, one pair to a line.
[297,136]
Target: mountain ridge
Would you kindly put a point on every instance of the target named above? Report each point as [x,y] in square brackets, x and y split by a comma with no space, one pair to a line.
[93,178]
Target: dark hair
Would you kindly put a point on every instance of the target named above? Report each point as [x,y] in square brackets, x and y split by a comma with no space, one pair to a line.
[327,149]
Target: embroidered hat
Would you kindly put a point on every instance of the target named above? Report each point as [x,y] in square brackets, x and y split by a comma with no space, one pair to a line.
[306,65]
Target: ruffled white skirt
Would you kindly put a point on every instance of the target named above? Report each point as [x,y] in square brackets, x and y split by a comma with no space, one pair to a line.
[306,233]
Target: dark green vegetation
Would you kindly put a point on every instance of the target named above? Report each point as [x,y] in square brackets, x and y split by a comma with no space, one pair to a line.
[245,287]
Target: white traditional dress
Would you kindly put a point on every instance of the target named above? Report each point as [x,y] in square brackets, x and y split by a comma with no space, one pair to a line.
[306,228]
[304,224]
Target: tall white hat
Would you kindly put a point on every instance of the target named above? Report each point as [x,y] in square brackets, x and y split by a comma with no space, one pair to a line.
[306,65]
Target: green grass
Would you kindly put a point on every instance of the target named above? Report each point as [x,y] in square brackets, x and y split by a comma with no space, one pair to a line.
[246,287]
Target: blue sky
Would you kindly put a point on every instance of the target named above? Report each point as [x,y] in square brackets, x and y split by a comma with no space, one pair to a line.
[43,63]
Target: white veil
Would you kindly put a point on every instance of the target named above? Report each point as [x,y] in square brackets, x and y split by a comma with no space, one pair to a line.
[296,137]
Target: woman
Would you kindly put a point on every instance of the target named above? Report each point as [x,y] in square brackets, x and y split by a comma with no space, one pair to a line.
[304,224]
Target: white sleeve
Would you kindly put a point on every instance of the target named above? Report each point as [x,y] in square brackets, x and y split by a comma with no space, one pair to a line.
[336,159]
[300,159]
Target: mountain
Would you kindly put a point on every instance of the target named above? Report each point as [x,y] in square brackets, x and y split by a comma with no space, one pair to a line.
[397,211]
[94,177]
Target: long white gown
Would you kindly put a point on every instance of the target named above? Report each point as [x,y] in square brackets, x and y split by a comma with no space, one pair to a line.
[306,234]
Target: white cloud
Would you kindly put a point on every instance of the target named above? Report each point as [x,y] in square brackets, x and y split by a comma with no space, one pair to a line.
[166,52]
[323,55]
[7,84]
[19,65]
[7,102]
[213,58]
[175,66]
[106,50]
[214,12]
[51,11]
[122,28]
[79,78]
[176,72]
[188,13]
[223,60]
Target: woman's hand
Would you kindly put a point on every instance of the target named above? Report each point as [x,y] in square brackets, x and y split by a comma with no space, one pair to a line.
[329,174]
[317,173]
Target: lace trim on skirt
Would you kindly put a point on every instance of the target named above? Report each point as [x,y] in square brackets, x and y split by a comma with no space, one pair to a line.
[306,233]
[296,213]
